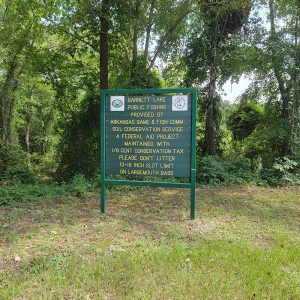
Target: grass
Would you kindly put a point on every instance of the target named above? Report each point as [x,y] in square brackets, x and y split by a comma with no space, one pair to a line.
[245,244]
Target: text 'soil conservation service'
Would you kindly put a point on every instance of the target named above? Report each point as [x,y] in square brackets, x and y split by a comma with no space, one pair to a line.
[149,133]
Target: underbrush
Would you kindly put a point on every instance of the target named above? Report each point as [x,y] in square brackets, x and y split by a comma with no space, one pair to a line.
[20,192]
[21,184]
[216,170]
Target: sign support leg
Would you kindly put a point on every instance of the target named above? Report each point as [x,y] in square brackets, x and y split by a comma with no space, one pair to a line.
[193,154]
[193,194]
[103,150]
[103,197]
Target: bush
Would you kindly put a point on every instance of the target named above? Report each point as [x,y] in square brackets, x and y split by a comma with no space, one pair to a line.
[23,193]
[79,186]
[26,192]
[217,170]
[20,174]
[10,156]
[244,119]
[284,171]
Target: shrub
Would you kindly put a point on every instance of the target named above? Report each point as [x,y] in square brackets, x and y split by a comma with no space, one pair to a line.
[284,171]
[244,118]
[20,174]
[79,186]
[23,193]
[217,170]
[27,192]
[10,156]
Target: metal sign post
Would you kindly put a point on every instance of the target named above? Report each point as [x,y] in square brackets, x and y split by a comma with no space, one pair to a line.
[148,132]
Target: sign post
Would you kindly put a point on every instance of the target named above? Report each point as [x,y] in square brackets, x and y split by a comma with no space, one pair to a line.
[148,132]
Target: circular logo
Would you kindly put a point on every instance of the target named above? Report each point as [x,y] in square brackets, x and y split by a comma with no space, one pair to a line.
[117,103]
[180,102]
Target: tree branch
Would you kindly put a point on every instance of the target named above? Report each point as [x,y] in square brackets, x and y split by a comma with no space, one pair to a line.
[166,38]
[148,30]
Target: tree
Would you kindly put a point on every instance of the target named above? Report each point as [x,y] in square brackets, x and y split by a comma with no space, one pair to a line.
[276,69]
[287,79]
[156,28]
[118,47]
[206,53]
[16,42]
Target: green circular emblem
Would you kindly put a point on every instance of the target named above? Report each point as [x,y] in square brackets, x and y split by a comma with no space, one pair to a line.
[117,103]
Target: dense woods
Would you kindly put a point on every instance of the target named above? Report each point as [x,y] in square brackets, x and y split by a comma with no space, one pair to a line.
[55,56]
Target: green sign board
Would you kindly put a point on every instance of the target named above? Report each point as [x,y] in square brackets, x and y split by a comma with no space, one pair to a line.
[148,133]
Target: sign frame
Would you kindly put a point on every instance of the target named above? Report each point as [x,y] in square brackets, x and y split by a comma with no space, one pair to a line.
[105,181]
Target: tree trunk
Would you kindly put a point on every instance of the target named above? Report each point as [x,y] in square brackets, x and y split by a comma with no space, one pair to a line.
[104,55]
[135,41]
[104,16]
[27,134]
[283,89]
[7,100]
[28,118]
[295,118]
[209,146]
[148,30]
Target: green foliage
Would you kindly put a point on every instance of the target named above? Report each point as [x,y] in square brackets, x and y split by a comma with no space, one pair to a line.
[78,149]
[20,174]
[10,156]
[35,116]
[44,165]
[230,15]
[244,118]
[49,82]
[217,170]
[264,141]
[141,78]
[284,171]
[77,187]
[23,193]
